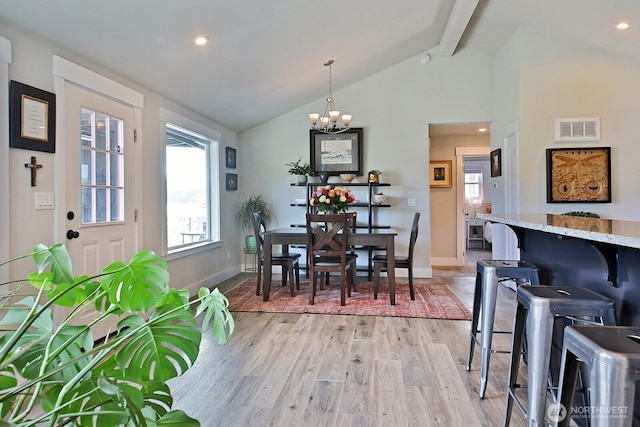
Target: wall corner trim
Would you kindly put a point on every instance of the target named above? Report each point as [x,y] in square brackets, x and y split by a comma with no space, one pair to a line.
[5,50]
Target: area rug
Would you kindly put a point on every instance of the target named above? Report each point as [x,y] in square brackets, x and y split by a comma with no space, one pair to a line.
[433,301]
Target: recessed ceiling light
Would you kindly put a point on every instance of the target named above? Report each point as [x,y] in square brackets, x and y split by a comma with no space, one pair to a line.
[202,40]
[482,130]
[622,26]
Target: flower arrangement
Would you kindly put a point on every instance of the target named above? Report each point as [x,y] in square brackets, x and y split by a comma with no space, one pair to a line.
[331,199]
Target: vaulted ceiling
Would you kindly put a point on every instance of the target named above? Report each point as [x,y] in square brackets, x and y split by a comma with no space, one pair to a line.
[265,58]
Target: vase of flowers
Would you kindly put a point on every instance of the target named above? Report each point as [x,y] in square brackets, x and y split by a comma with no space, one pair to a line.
[331,199]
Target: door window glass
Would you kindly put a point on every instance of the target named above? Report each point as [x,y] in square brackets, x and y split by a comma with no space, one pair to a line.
[101,168]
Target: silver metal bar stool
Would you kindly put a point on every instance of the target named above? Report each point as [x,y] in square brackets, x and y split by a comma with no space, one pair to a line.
[537,308]
[612,358]
[489,274]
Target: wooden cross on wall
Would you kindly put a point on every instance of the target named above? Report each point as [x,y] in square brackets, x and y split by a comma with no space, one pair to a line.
[34,166]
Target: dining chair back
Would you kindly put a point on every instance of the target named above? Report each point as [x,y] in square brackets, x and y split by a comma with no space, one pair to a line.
[380,262]
[352,256]
[327,248]
[287,260]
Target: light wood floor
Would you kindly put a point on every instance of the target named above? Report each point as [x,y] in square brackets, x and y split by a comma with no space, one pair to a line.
[324,370]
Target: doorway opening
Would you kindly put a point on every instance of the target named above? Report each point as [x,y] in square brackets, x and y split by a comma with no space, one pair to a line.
[476,178]
[452,142]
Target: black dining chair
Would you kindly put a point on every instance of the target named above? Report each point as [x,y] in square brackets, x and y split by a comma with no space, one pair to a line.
[380,262]
[327,248]
[287,260]
[352,256]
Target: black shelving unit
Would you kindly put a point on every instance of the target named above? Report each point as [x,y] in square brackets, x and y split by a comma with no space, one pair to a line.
[369,224]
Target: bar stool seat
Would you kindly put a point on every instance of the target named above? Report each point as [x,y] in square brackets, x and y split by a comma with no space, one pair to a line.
[536,309]
[612,358]
[489,274]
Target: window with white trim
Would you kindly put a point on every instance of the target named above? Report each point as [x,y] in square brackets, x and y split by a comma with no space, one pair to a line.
[472,185]
[191,160]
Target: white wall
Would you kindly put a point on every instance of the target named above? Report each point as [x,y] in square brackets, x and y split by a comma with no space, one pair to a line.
[541,78]
[560,79]
[395,108]
[32,64]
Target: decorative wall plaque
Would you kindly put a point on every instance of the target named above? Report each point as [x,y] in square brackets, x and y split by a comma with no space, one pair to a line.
[579,175]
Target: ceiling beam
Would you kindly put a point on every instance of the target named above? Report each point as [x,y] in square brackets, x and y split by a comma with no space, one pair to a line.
[458,21]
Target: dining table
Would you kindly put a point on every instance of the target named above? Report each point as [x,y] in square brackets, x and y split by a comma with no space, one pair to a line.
[382,237]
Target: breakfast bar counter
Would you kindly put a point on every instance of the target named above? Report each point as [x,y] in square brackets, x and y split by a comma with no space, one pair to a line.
[600,254]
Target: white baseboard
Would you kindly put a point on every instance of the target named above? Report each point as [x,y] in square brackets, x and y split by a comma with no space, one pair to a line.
[214,279]
[445,262]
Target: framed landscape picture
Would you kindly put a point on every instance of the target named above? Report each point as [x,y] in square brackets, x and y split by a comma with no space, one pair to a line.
[333,154]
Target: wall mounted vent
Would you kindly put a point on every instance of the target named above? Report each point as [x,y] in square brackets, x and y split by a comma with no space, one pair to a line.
[578,129]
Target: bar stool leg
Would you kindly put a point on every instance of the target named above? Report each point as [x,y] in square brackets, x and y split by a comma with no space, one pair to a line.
[611,384]
[568,382]
[474,319]
[540,324]
[487,314]
[518,339]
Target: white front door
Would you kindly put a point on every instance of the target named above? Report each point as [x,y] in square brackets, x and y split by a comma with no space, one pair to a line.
[100,191]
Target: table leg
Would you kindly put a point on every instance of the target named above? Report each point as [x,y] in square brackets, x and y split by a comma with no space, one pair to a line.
[266,287]
[391,268]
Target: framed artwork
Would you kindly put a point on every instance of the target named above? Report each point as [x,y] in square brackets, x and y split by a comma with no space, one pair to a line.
[579,175]
[32,118]
[231,157]
[333,154]
[231,182]
[440,173]
[496,162]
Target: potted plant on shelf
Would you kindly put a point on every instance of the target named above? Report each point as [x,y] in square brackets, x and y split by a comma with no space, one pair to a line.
[374,175]
[253,203]
[301,170]
[53,372]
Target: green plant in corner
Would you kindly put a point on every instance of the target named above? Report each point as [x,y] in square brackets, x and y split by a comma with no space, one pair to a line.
[253,203]
[54,373]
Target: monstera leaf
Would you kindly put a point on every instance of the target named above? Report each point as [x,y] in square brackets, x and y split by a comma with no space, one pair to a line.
[52,372]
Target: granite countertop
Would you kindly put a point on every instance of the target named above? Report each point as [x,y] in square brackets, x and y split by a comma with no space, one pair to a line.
[611,231]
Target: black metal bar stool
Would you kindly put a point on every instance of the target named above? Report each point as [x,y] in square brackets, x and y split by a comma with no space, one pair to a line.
[537,308]
[612,358]
[489,274]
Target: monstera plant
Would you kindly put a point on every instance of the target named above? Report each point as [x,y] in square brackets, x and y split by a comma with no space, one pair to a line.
[56,374]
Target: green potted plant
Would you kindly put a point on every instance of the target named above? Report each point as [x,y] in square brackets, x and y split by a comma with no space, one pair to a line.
[301,170]
[53,372]
[374,175]
[253,203]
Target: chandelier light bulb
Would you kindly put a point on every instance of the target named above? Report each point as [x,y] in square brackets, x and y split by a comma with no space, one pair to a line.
[346,119]
[314,118]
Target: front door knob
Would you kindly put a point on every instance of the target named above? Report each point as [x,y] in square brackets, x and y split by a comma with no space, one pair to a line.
[72,234]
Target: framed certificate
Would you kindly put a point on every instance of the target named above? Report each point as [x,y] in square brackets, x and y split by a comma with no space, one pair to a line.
[32,118]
